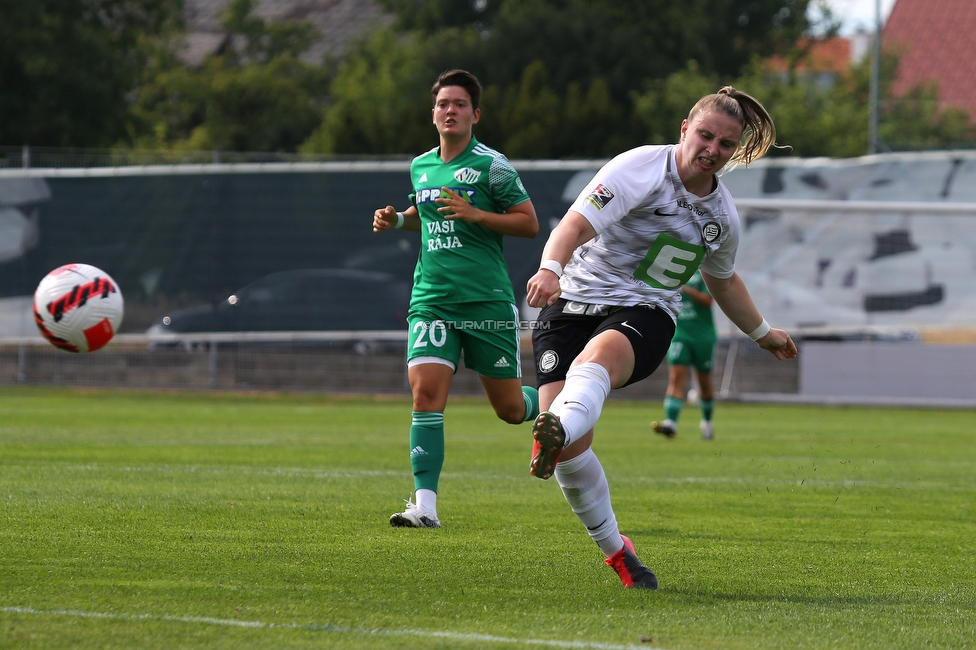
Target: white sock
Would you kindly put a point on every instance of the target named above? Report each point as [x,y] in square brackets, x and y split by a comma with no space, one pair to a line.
[427,499]
[580,402]
[585,487]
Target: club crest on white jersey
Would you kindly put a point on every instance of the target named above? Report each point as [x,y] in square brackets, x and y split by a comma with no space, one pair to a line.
[711,231]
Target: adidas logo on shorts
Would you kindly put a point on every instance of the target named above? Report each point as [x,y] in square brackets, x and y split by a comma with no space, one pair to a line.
[502,363]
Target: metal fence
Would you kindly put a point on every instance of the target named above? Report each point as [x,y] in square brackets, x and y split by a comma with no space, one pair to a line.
[347,362]
[27,157]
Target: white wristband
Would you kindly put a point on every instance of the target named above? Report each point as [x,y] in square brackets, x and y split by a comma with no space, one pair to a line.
[399,223]
[760,331]
[552,265]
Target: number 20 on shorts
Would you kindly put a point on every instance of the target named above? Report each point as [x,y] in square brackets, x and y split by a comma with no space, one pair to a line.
[433,331]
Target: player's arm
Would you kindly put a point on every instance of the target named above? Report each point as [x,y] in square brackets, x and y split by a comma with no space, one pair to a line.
[518,221]
[388,217]
[733,298]
[573,231]
[702,298]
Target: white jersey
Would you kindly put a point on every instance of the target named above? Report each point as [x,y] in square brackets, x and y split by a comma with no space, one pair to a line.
[652,234]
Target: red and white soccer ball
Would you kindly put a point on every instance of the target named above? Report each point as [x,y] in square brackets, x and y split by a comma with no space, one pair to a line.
[78,307]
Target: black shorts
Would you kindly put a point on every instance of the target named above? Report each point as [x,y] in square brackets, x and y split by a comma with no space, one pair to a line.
[566,327]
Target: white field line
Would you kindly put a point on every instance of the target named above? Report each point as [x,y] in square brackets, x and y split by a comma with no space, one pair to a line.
[323,627]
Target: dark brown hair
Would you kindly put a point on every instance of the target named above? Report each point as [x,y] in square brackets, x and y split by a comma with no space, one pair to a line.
[461,78]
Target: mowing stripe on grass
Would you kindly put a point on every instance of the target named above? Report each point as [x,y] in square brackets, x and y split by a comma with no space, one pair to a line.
[242,470]
[322,627]
[297,472]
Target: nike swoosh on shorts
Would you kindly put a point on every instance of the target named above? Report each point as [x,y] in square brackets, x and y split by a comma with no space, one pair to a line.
[626,324]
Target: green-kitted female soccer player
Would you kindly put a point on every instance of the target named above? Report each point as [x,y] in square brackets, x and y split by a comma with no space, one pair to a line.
[466,196]
[693,346]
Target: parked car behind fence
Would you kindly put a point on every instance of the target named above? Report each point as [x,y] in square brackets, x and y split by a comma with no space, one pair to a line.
[300,300]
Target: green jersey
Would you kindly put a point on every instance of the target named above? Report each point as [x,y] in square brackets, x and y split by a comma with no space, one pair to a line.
[695,322]
[460,261]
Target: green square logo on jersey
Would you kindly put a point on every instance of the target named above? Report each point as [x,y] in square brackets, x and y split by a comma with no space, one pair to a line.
[669,263]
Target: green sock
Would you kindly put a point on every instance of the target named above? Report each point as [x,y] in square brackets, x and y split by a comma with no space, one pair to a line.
[427,449]
[531,397]
[707,408]
[672,407]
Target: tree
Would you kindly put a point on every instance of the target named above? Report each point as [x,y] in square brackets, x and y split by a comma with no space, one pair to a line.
[833,120]
[560,76]
[67,67]
[262,42]
[666,102]
[813,118]
[380,101]
[916,121]
[530,120]
[622,42]
[254,95]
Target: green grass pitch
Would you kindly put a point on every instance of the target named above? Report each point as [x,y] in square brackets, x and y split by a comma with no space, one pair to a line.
[199,520]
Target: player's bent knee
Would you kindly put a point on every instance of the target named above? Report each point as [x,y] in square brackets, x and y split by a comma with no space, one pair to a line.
[511,412]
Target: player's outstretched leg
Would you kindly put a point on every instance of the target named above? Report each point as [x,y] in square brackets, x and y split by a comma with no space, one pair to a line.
[632,572]
[548,436]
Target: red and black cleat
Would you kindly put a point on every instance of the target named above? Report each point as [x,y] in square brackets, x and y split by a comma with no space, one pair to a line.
[547,431]
[632,571]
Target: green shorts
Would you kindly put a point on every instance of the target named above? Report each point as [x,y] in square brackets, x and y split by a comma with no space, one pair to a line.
[487,333]
[699,354]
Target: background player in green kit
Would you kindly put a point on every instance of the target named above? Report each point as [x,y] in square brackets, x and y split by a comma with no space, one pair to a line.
[693,345]
[466,196]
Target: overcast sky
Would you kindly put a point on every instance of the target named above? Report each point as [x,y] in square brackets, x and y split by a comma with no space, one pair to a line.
[856,14]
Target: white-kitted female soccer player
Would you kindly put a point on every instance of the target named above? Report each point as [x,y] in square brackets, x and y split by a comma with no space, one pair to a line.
[609,285]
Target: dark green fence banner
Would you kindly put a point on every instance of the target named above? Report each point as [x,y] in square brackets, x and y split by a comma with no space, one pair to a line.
[175,237]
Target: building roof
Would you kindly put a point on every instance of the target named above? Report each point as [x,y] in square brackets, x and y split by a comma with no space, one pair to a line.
[829,55]
[338,22]
[934,39]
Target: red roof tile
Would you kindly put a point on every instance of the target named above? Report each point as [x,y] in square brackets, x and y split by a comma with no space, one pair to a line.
[934,37]
[831,55]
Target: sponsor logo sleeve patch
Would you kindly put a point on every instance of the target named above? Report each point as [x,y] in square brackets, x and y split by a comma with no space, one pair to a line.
[600,196]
